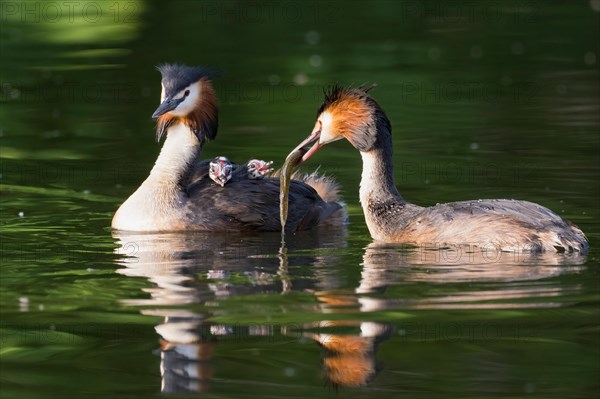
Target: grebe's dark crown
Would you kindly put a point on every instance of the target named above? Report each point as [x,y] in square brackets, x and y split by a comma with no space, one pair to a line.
[176,77]
[335,93]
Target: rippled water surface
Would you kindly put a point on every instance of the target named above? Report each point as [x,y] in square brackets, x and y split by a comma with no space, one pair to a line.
[487,99]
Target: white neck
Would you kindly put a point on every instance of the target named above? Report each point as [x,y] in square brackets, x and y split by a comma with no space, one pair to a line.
[180,150]
[377,181]
[367,184]
[158,202]
[378,194]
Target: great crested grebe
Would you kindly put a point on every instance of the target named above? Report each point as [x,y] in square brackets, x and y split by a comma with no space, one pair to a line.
[507,225]
[178,195]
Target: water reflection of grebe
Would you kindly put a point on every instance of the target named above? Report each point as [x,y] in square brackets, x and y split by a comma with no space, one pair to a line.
[519,276]
[349,346]
[197,269]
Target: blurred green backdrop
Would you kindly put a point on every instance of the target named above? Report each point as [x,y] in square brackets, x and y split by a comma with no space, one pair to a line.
[487,99]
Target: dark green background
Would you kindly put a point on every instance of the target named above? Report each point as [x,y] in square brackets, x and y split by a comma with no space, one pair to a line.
[488,99]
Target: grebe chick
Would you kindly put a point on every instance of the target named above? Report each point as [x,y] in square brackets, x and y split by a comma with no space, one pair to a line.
[175,198]
[258,169]
[508,225]
[220,170]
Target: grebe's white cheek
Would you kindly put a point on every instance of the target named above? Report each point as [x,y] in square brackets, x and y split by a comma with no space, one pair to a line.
[328,133]
[189,103]
[326,136]
[162,93]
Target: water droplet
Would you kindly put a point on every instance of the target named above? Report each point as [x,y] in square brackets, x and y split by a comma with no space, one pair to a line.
[517,48]
[506,80]
[312,37]
[52,134]
[589,58]
[21,214]
[434,53]
[274,79]
[315,60]
[474,146]
[24,304]
[301,79]
[476,52]
[530,387]
[289,371]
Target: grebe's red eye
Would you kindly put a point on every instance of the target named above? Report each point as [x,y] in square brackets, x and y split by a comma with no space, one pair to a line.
[187,93]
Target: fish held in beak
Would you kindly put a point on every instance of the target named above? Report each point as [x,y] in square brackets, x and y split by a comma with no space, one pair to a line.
[291,161]
[305,148]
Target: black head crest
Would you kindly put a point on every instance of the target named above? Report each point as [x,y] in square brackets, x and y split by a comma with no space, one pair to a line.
[176,77]
[335,93]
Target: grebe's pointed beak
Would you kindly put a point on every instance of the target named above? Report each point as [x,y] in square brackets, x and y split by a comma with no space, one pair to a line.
[168,105]
[309,152]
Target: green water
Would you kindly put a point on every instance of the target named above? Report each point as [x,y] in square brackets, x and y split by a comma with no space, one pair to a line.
[495,99]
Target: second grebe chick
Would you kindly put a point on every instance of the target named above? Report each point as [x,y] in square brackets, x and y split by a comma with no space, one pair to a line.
[176,197]
[508,225]
[258,169]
